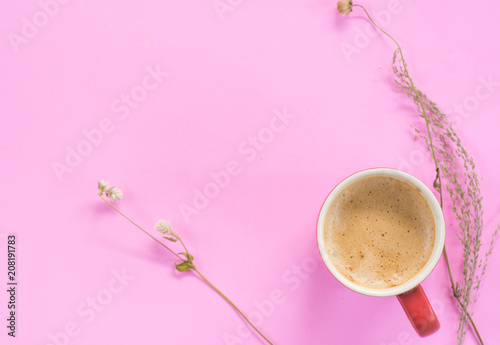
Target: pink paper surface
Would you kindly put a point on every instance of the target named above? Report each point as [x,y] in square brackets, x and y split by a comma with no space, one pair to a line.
[160,98]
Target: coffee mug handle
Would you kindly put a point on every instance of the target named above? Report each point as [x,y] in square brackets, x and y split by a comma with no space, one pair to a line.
[419,311]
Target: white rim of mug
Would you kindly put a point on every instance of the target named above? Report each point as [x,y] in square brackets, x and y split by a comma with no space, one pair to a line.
[438,223]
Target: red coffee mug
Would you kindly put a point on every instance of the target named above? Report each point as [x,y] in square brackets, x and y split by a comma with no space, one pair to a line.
[410,294]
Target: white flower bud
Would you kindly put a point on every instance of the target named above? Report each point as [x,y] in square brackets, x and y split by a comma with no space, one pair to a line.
[164,227]
[344,7]
[114,194]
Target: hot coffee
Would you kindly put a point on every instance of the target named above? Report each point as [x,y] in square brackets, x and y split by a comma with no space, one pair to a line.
[379,232]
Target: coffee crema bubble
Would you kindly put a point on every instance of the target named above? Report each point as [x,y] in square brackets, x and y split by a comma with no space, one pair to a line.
[379,232]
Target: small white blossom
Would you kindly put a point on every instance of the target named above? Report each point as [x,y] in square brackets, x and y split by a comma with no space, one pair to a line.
[164,227]
[114,194]
[344,7]
[102,185]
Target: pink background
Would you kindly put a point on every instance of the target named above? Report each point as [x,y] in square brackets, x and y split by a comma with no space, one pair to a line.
[255,237]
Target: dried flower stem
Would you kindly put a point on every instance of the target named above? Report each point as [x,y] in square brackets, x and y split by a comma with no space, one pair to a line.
[418,97]
[457,297]
[194,268]
[147,233]
[180,240]
[232,304]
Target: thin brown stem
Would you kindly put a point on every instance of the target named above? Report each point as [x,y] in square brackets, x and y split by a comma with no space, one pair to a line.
[417,93]
[187,251]
[231,303]
[471,321]
[457,297]
[195,269]
[427,124]
[131,221]
[455,293]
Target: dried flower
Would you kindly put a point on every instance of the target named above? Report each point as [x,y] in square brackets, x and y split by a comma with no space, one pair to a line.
[114,194]
[164,227]
[344,7]
[102,185]
[454,166]
[186,259]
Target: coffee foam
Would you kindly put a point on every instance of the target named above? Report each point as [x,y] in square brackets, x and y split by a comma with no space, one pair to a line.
[379,232]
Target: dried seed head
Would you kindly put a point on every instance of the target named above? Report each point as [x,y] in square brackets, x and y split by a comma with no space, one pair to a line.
[344,7]
[114,194]
[164,227]
[101,186]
